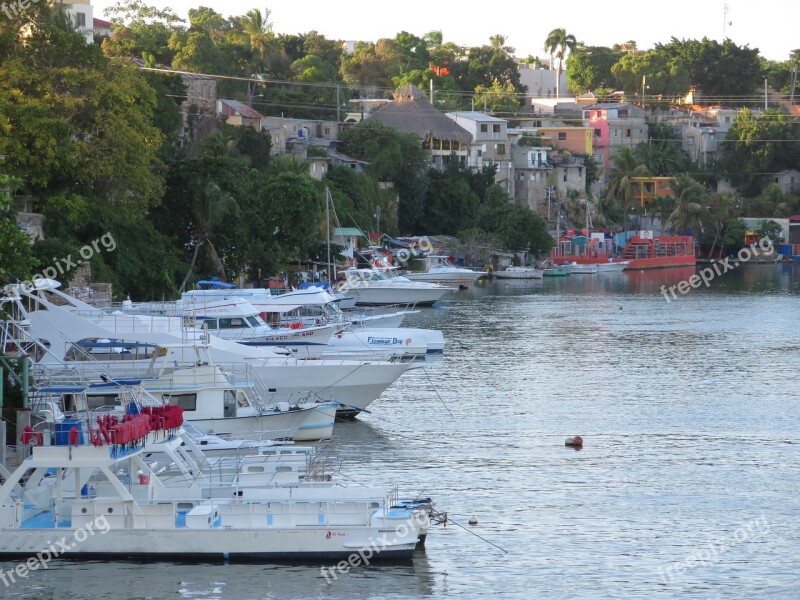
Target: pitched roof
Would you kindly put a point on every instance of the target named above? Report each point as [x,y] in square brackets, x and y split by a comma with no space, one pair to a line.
[241,109]
[412,113]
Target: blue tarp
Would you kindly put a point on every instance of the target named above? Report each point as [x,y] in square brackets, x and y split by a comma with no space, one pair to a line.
[214,283]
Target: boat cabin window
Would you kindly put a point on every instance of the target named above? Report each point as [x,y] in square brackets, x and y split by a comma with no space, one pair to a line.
[229,404]
[233,323]
[241,399]
[255,321]
[185,401]
[95,401]
[211,324]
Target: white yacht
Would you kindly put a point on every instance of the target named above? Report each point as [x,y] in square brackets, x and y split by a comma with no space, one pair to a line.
[439,269]
[385,286]
[71,332]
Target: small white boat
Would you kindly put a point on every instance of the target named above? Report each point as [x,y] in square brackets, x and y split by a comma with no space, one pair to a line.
[581,269]
[519,273]
[612,267]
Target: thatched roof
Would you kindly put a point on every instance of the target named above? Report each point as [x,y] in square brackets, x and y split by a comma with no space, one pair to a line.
[412,113]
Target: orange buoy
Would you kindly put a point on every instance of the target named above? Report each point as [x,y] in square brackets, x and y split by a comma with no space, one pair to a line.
[574,442]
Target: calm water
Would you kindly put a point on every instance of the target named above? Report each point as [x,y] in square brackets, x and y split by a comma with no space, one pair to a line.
[689,412]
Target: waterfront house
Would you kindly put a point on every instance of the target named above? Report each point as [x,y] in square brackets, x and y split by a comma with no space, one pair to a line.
[411,112]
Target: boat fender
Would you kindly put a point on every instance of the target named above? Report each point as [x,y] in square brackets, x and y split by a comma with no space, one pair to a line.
[74,438]
[30,437]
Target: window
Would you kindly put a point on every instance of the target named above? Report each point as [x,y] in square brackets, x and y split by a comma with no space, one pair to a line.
[327,131]
[96,401]
[501,149]
[484,128]
[562,135]
[727,119]
[496,127]
[597,133]
[80,19]
[522,176]
[627,133]
[480,152]
[185,401]
[233,323]
[623,113]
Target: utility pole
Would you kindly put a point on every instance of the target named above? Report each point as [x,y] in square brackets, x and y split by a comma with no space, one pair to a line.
[765,94]
[794,83]
[338,106]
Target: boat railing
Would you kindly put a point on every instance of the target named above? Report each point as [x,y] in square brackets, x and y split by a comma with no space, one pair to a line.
[252,386]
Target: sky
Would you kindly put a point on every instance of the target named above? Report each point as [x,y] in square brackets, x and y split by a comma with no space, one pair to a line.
[770,25]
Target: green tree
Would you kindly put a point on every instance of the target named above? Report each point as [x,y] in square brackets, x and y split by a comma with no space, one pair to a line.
[621,185]
[394,157]
[720,70]
[74,122]
[589,69]
[557,44]
[690,213]
[16,257]
[498,98]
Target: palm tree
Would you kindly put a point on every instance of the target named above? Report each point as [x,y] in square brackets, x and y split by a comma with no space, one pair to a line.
[211,205]
[259,29]
[624,168]
[556,45]
[689,214]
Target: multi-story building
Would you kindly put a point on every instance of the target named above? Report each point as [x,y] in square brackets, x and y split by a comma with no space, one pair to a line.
[489,144]
[614,126]
[532,186]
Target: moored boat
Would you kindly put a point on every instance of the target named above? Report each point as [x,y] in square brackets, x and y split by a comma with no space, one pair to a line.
[134,515]
[519,273]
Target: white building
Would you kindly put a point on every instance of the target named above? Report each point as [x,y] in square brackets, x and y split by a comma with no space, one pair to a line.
[81,18]
[489,144]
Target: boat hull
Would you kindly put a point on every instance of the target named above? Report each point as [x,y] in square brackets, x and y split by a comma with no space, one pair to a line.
[303,424]
[212,545]
[463,278]
[661,262]
[519,274]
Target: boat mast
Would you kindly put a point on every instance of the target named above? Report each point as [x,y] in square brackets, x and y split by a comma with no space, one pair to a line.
[328,229]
